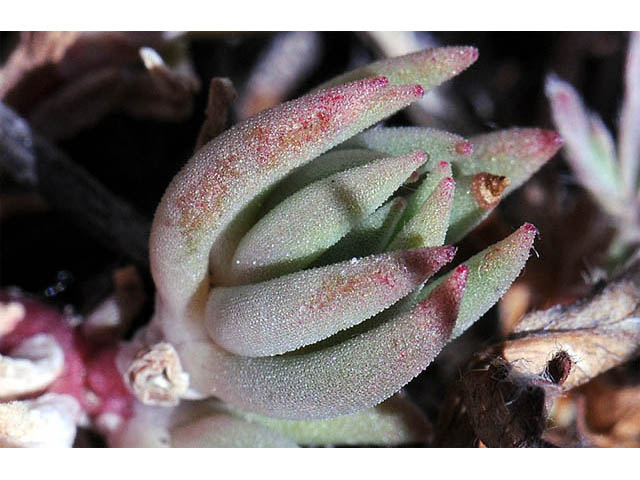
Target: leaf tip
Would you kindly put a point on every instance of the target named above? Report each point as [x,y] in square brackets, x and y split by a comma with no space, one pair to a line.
[426,261]
[448,183]
[459,278]
[525,236]
[464,148]
[530,228]
[461,57]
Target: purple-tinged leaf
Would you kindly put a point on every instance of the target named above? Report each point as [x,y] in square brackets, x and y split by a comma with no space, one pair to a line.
[594,165]
[491,273]
[295,310]
[231,171]
[515,153]
[338,379]
[629,134]
[429,68]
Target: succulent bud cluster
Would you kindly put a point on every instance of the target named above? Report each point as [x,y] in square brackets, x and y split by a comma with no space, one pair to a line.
[292,255]
[293,258]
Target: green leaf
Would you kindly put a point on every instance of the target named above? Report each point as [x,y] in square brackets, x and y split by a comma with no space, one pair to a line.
[371,236]
[301,308]
[230,172]
[395,421]
[301,228]
[516,154]
[429,68]
[592,162]
[428,227]
[438,145]
[629,133]
[221,430]
[321,167]
[491,273]
[339,379]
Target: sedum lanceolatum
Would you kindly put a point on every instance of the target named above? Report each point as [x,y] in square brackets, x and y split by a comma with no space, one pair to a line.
[294,254]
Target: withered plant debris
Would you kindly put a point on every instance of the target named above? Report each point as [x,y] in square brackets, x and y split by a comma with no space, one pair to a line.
[63,82]
[221,96]
[506,394]
[599,332]
[497,406]
[609,408]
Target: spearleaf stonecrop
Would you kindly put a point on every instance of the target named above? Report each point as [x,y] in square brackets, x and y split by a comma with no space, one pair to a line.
[291,254]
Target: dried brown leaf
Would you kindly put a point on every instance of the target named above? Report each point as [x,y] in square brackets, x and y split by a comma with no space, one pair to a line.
[66,81]
[221,96]
[599,332]
[609,410]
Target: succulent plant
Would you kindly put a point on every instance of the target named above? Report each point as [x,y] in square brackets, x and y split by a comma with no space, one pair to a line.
[291,254]
[609,172]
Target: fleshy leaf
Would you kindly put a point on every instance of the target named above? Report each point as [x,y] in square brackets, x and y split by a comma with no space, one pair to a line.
[428,227]
[343,378]
[395,421]
[441,171]
[221,430]
[295,310]
[228,173]
[301,228]
[438,145]
[191,424]
[491,273]
[371,236]
[476,195]
[594,165]
[429,68]
[629,134]
[515,153]
[325,165]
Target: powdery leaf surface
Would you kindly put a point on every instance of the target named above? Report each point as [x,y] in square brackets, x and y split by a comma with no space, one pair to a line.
[429,67]
[594,165]
[415,201]
[438,145]
[221,430]
[295,310]
[396,421]
[371,236]
[321,167]
[629,136]
[229,172]
[491,273]
[428,227]
[342,378]
[515,153]
[301,228]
